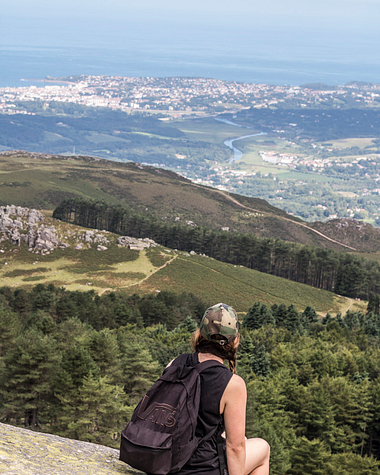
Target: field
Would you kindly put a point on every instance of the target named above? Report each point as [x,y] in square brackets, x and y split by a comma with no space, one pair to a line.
[351,142]
[210,130]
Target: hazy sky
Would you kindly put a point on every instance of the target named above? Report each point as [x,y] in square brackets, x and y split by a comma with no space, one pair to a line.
[52,19]
[336,31]
[339,11]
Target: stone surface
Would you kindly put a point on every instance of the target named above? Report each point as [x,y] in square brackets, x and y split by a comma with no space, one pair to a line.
[25,452]
[46,238]
[134,243]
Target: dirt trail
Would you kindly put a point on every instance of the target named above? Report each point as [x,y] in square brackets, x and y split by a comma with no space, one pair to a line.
[156,270]
[351,304]
[145,278]
[285,219]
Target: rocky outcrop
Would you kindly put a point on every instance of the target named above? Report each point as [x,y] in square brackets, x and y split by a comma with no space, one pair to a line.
[137,244]
[19,225]
[27,452]
[46,238]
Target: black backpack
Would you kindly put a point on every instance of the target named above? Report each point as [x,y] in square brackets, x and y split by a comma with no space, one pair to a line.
[160,438]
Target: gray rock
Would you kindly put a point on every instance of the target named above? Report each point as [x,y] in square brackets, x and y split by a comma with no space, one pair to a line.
[100,238]
[135,243]
[35,217]
[79,246]
[18,224]
[14,236]
[6,221]
[88,236]
[46,238]
[101,248]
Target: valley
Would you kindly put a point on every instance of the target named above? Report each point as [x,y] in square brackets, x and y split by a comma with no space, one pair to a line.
[317,156]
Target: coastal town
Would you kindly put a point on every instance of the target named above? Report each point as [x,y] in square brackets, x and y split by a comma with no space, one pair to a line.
[290,156]
[177,97]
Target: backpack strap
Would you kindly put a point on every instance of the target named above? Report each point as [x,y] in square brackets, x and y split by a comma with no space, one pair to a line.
[220,442]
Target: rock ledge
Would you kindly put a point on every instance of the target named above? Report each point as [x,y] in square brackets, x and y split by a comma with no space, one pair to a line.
[27,452]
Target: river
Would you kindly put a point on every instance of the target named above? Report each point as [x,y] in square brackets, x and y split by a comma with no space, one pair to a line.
[229,143]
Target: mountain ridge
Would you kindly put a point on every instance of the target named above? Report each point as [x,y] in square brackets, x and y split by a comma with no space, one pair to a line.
[43,181]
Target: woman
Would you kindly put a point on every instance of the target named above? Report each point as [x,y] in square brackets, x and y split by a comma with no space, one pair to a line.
[223,401]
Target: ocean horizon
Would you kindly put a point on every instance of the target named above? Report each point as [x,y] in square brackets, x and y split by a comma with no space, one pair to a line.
[256,55]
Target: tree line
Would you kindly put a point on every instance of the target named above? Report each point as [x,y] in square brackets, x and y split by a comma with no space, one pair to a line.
[341,273]
[313,385]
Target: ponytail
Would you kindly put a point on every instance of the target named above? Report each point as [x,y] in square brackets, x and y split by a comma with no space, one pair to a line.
[226,352]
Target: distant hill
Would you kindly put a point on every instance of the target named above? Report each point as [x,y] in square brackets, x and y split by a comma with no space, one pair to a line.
[29,453]
[43,181]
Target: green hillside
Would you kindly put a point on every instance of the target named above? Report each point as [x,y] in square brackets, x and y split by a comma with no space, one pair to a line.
[43,181]
[154,269]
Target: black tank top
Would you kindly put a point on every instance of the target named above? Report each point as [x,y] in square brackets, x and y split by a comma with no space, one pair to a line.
[214,380]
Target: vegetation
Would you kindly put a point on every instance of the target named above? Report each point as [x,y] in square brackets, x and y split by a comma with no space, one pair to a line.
[163,193]
[75,364]
[344,274]
[104,133]
[152,270]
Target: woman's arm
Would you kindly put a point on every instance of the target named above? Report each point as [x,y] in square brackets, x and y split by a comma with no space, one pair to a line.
[233,406]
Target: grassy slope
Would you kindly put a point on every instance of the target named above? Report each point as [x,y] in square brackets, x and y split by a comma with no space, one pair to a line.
[153,270]
[43,181]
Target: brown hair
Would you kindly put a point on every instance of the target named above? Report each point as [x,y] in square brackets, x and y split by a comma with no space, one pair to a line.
[228,351]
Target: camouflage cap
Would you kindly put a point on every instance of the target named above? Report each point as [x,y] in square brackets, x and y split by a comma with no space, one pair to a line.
[220,319]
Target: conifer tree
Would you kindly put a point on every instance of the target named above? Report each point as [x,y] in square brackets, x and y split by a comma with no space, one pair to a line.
[26,378]
[279,313]
[353,464]
[260,362]
[374,304]
[309,457]
[251,319]
[97,412]
[292,321]
[266,316]
[245,355]
[188,324]
[10,327]
[21,302]
[140,371]
[77,362]
[104,350]
[309,316]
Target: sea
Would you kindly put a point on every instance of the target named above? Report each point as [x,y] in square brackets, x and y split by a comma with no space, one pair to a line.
[260,55]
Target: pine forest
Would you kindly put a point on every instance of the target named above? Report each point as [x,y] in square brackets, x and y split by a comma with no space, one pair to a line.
[76,363]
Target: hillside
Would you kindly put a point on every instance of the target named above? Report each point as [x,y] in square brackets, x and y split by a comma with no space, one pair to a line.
[77,258]
[43,181]
[27,452]
[366,236]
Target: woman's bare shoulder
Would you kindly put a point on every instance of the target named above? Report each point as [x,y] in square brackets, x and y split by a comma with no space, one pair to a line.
[237,382]
[236,388]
